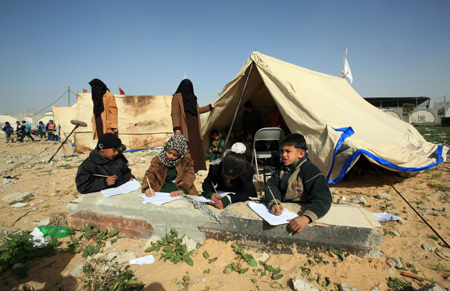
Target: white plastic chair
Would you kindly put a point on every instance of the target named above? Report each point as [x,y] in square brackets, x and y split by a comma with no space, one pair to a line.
[266,133]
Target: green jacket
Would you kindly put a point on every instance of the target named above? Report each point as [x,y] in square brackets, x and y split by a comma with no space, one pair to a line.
[217,144]
[301,182]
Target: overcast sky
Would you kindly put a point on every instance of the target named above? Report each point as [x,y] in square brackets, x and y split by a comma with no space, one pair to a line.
[395,48]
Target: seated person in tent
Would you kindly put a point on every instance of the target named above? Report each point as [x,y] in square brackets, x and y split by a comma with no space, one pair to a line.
[232,174]
[277,120]
[216,146]
[247,140]
[106,166]
[298,180]
[171,171]
[234,138]
[267,145]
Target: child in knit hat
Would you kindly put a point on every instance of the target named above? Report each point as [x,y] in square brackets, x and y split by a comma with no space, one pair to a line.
[106,167]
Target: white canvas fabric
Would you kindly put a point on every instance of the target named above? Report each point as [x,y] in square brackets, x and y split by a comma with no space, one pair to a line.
[338,124]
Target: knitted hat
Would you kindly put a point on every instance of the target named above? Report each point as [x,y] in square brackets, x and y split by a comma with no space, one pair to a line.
[108,140]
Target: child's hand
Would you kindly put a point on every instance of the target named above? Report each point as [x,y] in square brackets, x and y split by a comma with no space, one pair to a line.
[215,197]
[149,192]
[218,204]
[276,209]
[298,224]
[215,149]
[111,180]
[210,151]
[176,193]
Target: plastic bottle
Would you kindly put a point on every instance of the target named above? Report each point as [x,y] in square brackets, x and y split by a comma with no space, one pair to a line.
[55,230]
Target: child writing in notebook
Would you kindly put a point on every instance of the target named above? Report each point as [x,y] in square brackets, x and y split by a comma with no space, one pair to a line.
[171,171]
[232,174]
[106,167]
[298,180]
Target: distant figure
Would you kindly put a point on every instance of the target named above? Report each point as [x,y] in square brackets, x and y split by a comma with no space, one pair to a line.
[171,171]
[25,130]
[186,120]
[247,140]
[41,130]
[105,118]
[216,146]
[234,138]
[104,168]
[251,119]
[233,174]
[18,126]
[277,120]
[51,130]
[8,132]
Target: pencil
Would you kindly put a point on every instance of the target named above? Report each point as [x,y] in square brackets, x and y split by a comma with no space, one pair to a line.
[273,197]
[148,182]
[213,187]
[98,175]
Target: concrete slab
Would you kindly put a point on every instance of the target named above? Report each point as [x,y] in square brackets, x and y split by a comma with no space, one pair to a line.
[345,228]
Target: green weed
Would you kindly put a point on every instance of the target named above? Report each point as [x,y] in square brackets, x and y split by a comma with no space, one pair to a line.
[441,268]
[18,249]
[172,249]
[91,240]
[398,285]
[102,275]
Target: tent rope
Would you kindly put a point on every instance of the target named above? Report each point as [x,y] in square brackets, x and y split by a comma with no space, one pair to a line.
[421,217]
[23,163]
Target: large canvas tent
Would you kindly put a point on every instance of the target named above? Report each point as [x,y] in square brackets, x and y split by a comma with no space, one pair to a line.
[338,124]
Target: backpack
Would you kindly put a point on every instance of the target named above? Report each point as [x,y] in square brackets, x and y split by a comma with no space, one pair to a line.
[9,130]
[27,128]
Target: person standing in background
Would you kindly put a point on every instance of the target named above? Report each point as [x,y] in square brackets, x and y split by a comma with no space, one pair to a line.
[51,128]
[105,118]
[186,120]
[251,119]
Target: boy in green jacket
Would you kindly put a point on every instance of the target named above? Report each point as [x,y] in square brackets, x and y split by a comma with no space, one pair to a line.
[298,180]
[215,150]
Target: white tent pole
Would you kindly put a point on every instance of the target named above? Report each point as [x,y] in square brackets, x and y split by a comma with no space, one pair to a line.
[237,107]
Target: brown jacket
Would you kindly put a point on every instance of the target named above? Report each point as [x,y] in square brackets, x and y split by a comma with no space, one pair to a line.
[179,116]
[109,115]
[156,175]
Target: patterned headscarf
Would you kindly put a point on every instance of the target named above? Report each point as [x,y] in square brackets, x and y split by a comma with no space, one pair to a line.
[176,142]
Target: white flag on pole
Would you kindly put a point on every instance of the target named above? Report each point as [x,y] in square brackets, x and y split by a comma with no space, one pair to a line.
[346,69]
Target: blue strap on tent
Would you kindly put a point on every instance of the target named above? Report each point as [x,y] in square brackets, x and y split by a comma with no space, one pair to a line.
[347,132]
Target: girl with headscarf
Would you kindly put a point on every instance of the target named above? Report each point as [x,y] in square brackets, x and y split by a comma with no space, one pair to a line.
[186,120]
[171,171]
[105,118]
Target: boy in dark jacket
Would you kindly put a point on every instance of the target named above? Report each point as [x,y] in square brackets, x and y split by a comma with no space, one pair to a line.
[25,130]
[104,168]
[298,180]
[8,131]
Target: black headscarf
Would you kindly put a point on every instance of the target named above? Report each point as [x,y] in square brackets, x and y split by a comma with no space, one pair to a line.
[98,89]
[189,99]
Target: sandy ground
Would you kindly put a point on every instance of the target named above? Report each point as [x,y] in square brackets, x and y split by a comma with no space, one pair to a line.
[53,183]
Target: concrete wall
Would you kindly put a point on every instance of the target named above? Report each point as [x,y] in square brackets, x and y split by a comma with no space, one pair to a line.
[422,116]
